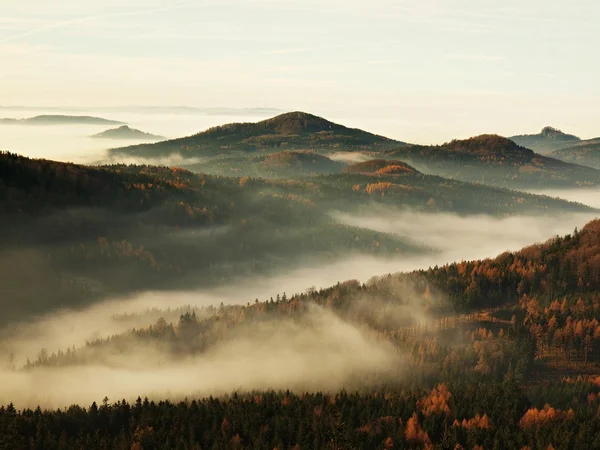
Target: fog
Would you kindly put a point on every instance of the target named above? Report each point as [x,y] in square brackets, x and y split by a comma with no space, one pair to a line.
[318,351]
[465,237]
[349,157]
[448,236]
[72,143]
[587,196]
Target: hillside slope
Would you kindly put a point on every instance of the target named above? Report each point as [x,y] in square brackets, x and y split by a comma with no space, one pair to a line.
[585,153]
[125,227]
[289,131]
[497,161]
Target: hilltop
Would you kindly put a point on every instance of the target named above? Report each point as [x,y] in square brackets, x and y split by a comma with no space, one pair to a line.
[494,160]
[60,120]
[125,132]
[546,141]
[289,131]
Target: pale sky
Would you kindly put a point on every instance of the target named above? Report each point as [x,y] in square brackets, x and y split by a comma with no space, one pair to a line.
[421,71]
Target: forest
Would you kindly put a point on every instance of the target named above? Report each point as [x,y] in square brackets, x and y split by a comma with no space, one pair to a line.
[89,231]
[297,144]
[495,353]
[505,357]
[299,225]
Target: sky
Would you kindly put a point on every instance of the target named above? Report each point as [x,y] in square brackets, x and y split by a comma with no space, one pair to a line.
[420,71]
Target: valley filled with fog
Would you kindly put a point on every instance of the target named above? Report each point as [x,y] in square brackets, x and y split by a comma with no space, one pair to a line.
[73,142]
[287,353]
[297,225]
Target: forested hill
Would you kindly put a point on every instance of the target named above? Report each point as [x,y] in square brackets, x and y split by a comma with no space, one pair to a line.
[381,167]
[586,153]
[132,227]
[546,141]
[462,381]
[496,161]
[289,131]
[287,164]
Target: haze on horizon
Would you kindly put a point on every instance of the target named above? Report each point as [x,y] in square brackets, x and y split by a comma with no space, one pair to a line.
[421,72]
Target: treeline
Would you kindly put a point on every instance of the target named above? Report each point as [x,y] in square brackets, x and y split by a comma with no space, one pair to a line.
[475,416]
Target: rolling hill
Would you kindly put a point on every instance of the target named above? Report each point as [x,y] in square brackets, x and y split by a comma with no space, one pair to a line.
[126,227]
[288,164]
[125,132]
[60,120]
[546,141]
[494,160]
[382,167]
[289,131]
[585,153]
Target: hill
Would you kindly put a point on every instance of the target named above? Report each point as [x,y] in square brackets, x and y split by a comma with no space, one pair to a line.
[287,164]
[143,227]
[300,161]
[289,131]
[381,166]
[585,153]
[494,160]
[125,132]
[417,362]
[546,141]
[60,120]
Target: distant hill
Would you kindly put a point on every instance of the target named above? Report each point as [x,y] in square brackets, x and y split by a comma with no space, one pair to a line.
[127,227]
[494,160]
[286,164]
[586,153]
[61,120]
[382,166]
[125,132]
[301,161]
[548,140]
[290,131]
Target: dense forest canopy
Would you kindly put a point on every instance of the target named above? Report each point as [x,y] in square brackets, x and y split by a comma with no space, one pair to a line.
[125,227]
[496,353]
[483,365]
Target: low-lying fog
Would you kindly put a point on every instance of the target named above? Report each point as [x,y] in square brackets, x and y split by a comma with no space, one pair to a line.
[588,196]
[318,351]
[72,143]
[282,355]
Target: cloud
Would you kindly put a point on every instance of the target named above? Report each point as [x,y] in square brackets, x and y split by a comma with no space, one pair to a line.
[473,57]
[287,51]
[81,20]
